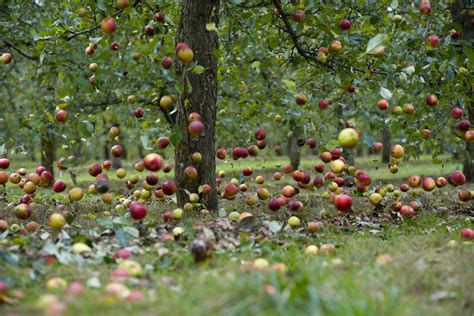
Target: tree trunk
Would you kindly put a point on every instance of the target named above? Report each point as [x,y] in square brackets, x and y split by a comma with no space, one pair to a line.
[459,11]
[293,148]
[199,95]
[141,154]
[386,140]
[48,152]
[106,150]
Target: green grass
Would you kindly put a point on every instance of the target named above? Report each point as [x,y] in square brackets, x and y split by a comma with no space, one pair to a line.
[426,276]
[422,268]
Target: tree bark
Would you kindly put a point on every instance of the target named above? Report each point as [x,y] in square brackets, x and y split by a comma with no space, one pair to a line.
[199,95]
[293,148]
[48,152]
[459,11]
[386,140]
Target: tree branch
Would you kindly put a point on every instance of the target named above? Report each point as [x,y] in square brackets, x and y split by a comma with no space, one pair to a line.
[307,54]
[294,38]
[22,53]
[89,30]
[260,4]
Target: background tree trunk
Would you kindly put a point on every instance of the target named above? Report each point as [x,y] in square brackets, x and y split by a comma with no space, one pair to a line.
[199,97]
[386,140]
[293,148]
[459,11]
[48,152]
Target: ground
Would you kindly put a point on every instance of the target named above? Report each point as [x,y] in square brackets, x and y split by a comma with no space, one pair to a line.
[383,264]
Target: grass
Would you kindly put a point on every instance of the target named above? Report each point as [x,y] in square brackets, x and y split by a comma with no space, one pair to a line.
[269,163]
[426,276]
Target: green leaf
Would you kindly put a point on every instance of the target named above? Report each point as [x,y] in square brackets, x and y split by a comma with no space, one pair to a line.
[332,144]
[385,93]
[131,231]
[376,44]
[222,212]
[211,27]
[198,69]
[289,84]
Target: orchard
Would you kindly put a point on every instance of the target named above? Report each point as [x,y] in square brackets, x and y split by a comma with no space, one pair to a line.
[235,157]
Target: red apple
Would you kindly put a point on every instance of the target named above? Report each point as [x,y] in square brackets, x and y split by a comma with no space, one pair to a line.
[457,178]
[414,181]
[433,40]
[454,35]
[261,144]
[441,182]
[162,142]
[345,24]
[166,62]
[138,112]
[152,179]
[311,143]
[469,136]
[425,7]
[153,162]
[343,202]
[114,46]
[7,58]
[351,88]
[190,173]
[149,31]
[196,128]
[159,17]
[457,113]
[274,204]
[295,206]
[464,195]
[169,187]
[260,134]
[230,191]
[23,211]
[431,100]
[407,211]
[319,167]
[61,116]
[180,46]
[107,164]
[95,169]
[428,184]
[382,104]
[300,99]
[137,211]
[247,171]
[221,153]
[318,181]
[287,168]
[117,151]
[253,150]
[323,104]
[467,233]
[299,16]
[108,25]
[4,163]
[364,179]
[159,193]
[464,125]
[378,147]
[323,50]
